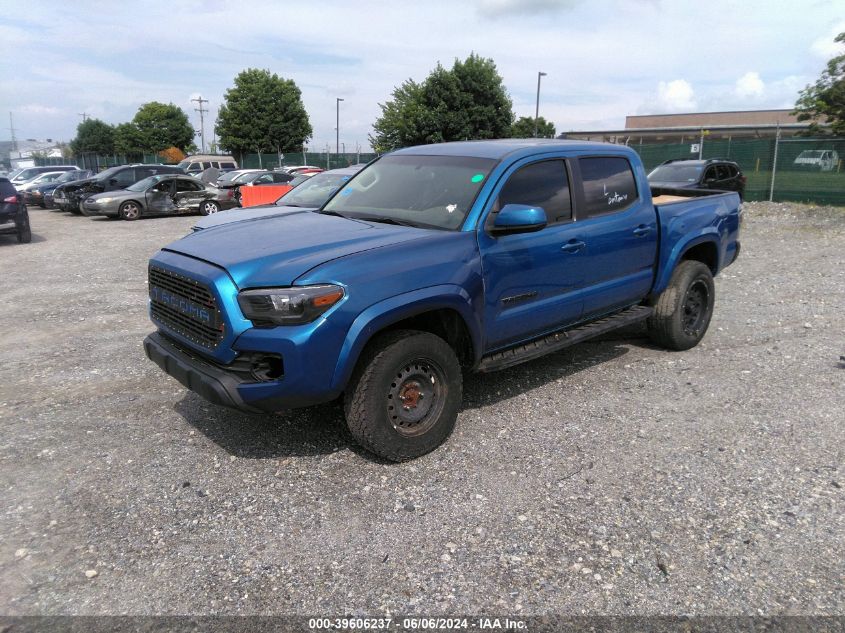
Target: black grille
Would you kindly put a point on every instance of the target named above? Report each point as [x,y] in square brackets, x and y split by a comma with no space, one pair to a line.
[185,306]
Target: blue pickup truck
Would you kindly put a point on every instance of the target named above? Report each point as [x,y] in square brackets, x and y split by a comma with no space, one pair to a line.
[432,261]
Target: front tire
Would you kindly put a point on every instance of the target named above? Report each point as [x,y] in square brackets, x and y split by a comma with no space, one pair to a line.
[682,312]
[403,398]
[207,207]
[129,211]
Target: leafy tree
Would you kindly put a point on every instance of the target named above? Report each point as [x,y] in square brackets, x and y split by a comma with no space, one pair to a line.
[262,112]
[93,135]
[162,125]
[465,102]
[824,101]
[524,128]
[127,139]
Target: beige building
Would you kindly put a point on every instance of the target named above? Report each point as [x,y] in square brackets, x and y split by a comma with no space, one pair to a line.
[669,128]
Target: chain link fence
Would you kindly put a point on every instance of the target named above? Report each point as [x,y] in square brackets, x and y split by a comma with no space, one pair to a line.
[790,169]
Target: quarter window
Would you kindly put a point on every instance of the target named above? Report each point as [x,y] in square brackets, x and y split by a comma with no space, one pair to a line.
[609,184]
[543,184]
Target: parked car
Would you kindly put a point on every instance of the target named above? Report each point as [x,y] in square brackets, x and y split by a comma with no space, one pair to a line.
[47,177]
[14,217]
[258,179]
[159,195]
[310,193]
[43,195]
[197,163]
[302,169]
[712,173]
[25,174]
[433,260]
[229,179]
[69,197]
[817,160]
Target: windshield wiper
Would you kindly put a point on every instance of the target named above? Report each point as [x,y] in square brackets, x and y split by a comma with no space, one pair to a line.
[384,220]
[340,215]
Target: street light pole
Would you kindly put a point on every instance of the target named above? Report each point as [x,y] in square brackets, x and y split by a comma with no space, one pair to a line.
[337,129]
[537,110]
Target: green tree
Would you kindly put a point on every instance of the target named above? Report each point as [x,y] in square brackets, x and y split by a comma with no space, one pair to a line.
[262,112]
[524,128]
[127,139]
[465,102]
[162,125]
[824,101]
[93,135]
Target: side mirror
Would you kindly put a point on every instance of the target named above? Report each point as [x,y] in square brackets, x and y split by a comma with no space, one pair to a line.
[112,181]
[519,218]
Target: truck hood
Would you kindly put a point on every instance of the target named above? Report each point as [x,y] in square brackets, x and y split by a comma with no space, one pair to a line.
[249,213]
[274,251]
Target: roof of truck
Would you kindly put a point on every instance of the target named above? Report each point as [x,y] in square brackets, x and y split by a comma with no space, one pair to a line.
[499,148]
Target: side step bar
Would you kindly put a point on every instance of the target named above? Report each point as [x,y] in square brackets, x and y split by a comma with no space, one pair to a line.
[560,340]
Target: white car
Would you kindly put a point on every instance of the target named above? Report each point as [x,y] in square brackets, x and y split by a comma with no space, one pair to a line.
[817,159]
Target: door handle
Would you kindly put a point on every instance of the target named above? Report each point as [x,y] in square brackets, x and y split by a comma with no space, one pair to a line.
[642,230]
[572,246]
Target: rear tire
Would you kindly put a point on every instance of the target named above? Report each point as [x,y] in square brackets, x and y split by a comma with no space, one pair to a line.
[404,396]
[207,207]
[23,229]
[682,312]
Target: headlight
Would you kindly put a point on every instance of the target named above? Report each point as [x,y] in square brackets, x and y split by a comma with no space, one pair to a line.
[288,306]
[100,200]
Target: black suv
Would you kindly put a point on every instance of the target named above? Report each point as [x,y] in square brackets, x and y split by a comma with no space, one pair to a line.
[69,196]
[711,173]
[13,215]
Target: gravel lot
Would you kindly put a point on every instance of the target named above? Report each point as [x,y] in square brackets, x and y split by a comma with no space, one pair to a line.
[612,478]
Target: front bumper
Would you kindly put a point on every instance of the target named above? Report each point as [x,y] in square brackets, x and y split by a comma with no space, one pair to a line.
[97,209]
[212,382]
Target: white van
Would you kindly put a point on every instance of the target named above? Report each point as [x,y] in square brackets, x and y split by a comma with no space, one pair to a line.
[200,162]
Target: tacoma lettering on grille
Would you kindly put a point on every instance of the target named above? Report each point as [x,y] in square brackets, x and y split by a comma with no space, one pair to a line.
[185,306]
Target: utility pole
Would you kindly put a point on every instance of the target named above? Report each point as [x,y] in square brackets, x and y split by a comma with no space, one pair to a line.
[84,116]
[199,100]
[774,163]
[537,109]
[337,129]
[12,130]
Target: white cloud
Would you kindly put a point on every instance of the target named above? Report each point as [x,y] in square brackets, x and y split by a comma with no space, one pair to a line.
[675,95]
[37,108]
[750,86]
[825,46]
[497,8]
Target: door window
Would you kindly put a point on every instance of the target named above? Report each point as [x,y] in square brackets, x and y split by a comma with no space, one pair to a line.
[186,185]
[609,184]
[126,177]
[543,184]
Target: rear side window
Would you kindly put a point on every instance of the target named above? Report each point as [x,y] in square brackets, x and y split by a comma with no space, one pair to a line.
[7,188]
[124,178]
[609,184]
[228,166]
[543,184]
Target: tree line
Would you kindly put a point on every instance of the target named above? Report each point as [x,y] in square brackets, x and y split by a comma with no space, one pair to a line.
[263,112]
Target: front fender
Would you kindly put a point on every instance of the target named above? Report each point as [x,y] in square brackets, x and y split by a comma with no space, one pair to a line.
[385,313]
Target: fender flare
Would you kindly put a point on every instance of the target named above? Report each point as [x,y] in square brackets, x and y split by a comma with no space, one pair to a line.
[389,311]
[706,235]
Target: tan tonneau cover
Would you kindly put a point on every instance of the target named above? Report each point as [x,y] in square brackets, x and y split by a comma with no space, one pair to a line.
[666,199]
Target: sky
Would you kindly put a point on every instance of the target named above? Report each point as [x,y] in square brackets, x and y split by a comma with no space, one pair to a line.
[604,59]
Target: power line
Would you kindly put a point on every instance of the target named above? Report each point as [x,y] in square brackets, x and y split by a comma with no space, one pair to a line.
[202,111]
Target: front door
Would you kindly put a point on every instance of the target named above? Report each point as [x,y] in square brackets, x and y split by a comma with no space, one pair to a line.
[532,280]
[160,197]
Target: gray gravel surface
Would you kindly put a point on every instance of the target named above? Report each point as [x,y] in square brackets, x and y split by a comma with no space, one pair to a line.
[613,478]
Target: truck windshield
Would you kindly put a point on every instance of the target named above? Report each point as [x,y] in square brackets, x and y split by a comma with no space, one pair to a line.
[676,173]
[314,191]
[426,191]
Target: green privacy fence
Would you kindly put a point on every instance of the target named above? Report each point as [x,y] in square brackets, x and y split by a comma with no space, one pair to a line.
[98,162]
[803,169]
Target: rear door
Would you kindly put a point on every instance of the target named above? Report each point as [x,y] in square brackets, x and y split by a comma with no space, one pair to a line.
[618,225]
[531,280]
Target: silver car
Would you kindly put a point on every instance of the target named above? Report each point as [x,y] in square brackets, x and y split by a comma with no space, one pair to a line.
[159,195]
